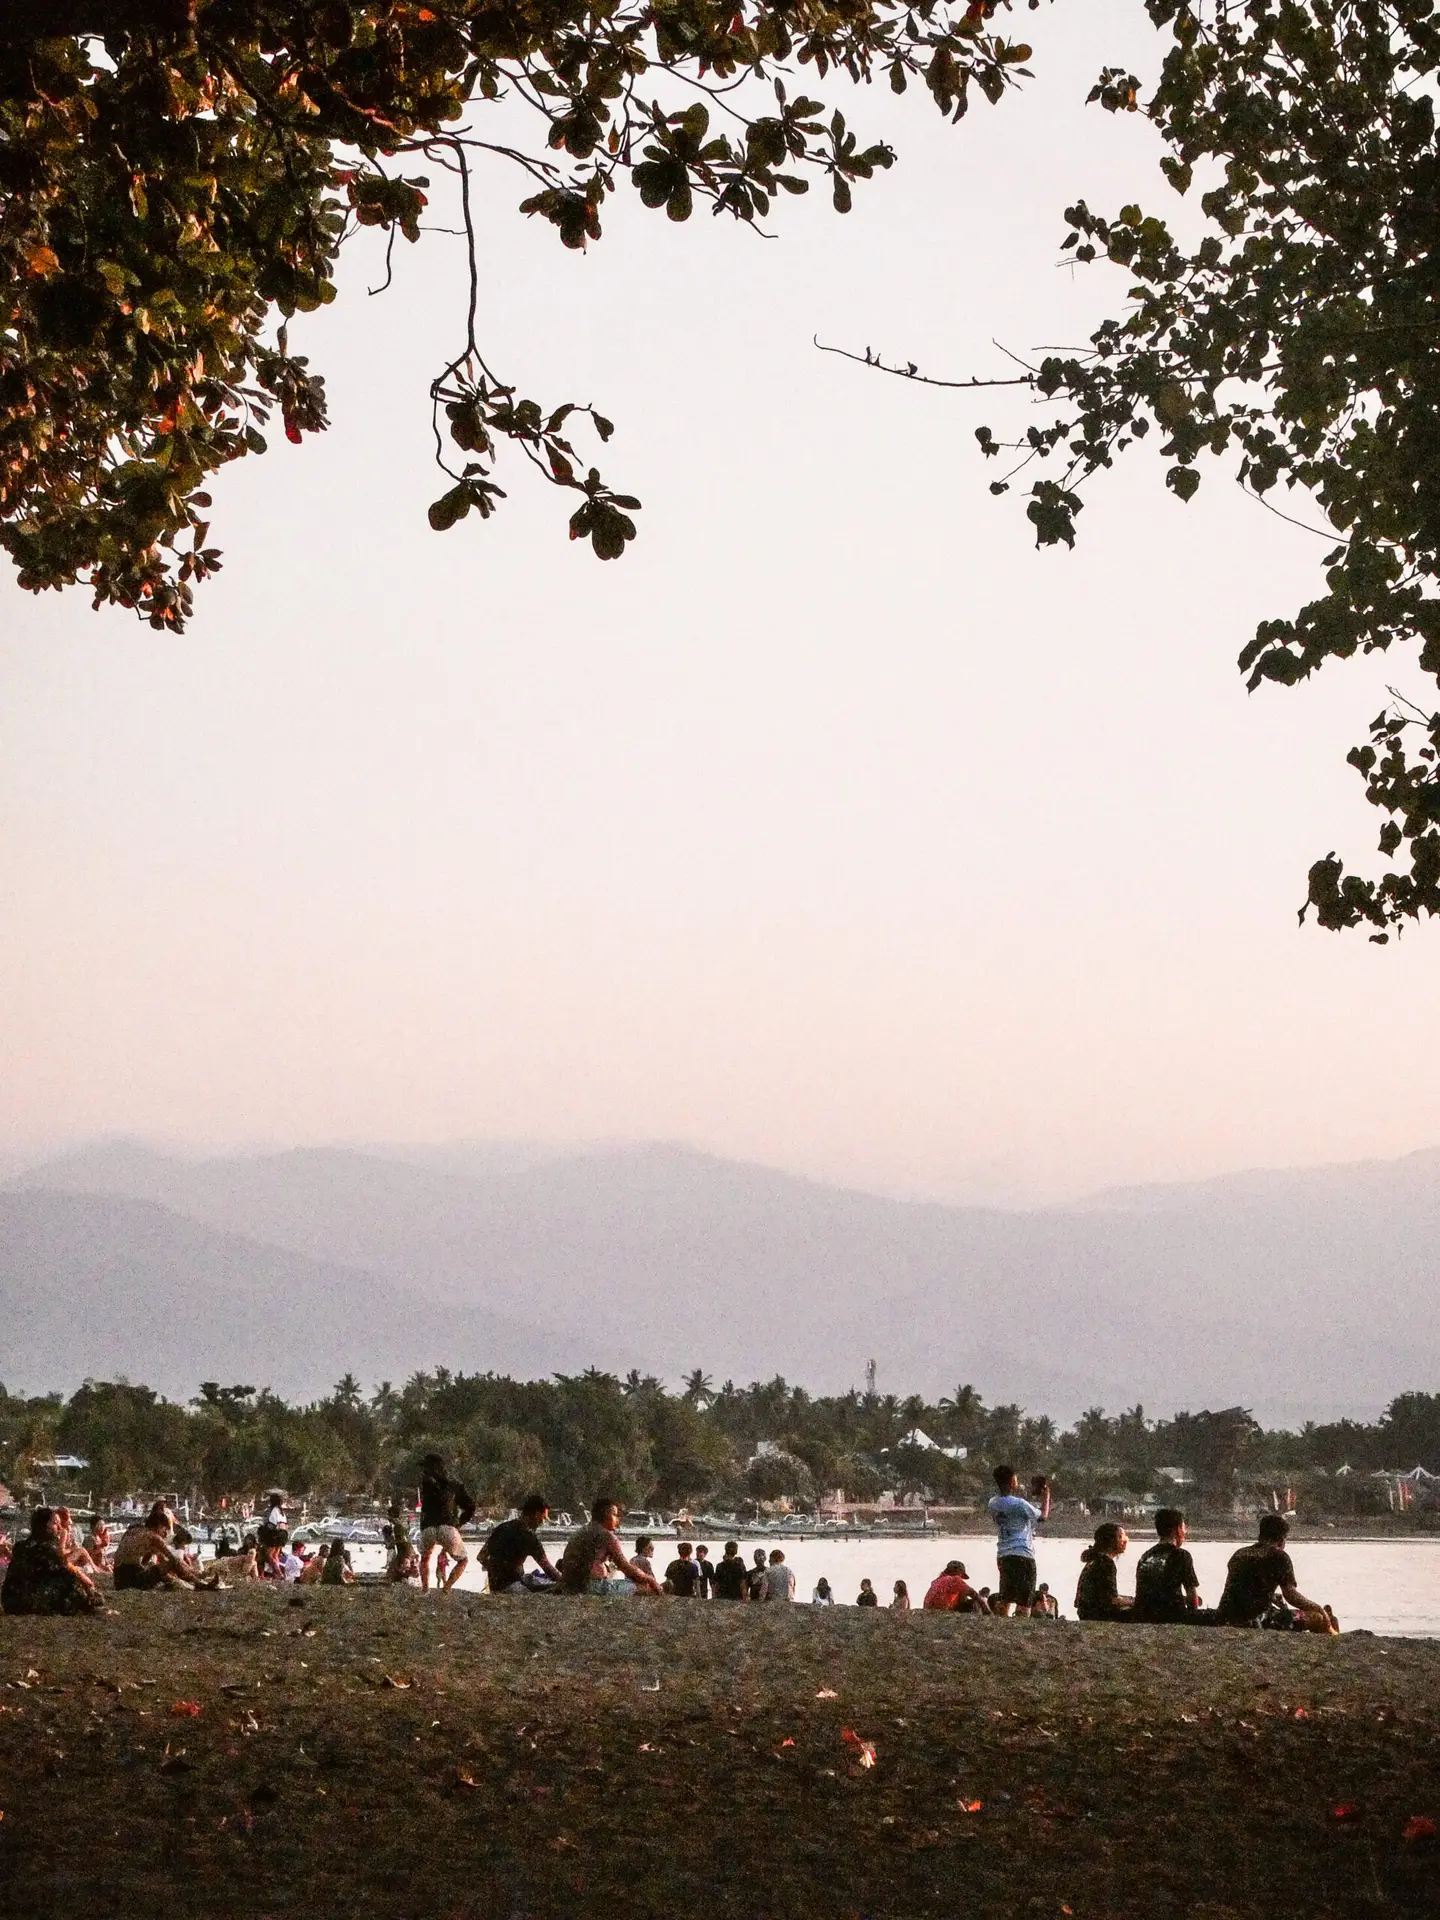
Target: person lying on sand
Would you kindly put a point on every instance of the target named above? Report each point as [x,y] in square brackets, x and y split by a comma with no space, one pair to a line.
[1167,1587]
[38,1579]
[595,1548]
[512,1544]
[145,1559]
[1257,1573]
[1098,1596]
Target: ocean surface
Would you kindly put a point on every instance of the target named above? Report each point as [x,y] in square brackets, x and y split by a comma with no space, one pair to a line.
[1387,1586]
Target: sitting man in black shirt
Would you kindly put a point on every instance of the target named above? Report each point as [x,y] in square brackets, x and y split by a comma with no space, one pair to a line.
[1167,1587]
[1254,1576]
[512,1543]
[39,1579]
[683,1576]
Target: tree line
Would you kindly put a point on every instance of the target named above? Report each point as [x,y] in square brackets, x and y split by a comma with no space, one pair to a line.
[704,1445]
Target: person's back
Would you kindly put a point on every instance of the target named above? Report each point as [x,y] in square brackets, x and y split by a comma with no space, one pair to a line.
[683,1577]
[948,1590]
[867,1596]
[779,1579]
[1252,1578]
[731,1579]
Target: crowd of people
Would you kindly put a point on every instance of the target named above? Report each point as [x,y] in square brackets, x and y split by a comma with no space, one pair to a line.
[53,1570]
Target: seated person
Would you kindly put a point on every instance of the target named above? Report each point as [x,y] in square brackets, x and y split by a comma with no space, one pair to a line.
[757,1574]
[338,1570]
[1097,1595]
[235,1567]
[145,1559]
[1254,1576]
[822,1596]
[597,1547]
[514,1542]
[951,1591]
[38,1578]
[779,1579]
[683,1577]
[71,1549]
[313,1572]
[98,1543]
[867,1596]
[1044,1606]
[1167,1587]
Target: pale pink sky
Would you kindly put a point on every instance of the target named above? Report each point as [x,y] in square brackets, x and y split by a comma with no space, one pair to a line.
[833,827]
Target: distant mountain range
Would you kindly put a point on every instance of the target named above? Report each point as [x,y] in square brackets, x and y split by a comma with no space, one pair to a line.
[1301,1294]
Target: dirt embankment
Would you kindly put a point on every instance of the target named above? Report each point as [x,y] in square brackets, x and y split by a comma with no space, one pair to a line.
[404,1755]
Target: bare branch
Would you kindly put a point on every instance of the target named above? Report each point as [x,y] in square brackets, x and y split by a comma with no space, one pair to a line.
[911,372]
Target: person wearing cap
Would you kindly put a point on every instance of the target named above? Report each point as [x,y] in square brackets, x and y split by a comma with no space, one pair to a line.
[951,1591]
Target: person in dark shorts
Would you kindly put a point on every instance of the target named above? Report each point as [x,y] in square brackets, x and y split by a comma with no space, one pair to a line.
[683,1577]
[732,1579]
[1016,1520]
[514,1542]
[1097,1595]
[1167,1587]
[38,1578]
[1257,1573]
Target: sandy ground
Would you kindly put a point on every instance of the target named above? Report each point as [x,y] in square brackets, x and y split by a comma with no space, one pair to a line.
[384,1752]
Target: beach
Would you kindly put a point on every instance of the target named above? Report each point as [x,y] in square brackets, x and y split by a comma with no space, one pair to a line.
[380,1750]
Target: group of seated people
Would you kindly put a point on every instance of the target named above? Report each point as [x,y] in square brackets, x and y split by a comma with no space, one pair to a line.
[951,1592]
[1260,1587]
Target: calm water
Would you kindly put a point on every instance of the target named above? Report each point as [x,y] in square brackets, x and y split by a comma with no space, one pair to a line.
[1387,1586]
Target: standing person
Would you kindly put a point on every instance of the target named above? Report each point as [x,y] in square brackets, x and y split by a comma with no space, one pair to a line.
[823,1595]
[732,1581]
[38,1579]
[1098,1595]
[682,1576]
[757,1575]
[404,1562]
[1257,1573]
[512,1543]
[1167,1587]
[272,1532]
[867,1596]
[901,1602]
[594,1549]
[445,1507]
[779,1579]
[707,1572]
[1016,1520]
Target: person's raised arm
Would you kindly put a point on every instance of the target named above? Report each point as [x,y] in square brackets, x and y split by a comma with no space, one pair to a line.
[1040,1494]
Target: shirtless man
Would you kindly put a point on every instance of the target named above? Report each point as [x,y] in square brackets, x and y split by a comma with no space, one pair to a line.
[594,1549]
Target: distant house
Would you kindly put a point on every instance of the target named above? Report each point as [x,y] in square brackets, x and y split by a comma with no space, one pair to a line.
[62,1463]
[917,1437]
[1177,1476]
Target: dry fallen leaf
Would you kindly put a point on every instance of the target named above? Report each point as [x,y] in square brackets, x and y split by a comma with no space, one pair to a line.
[1419,1827]
[827,1693]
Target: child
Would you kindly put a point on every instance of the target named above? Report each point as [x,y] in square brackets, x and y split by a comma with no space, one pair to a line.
[901,1602]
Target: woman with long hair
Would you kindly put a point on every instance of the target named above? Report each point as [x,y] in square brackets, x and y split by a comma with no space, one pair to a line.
[1098,1596]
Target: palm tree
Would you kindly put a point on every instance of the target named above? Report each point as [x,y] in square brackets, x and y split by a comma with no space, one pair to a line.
[699,1388]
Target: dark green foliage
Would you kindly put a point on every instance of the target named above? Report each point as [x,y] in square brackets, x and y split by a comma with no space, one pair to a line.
[176,174]
[575,1436]
[1298,342]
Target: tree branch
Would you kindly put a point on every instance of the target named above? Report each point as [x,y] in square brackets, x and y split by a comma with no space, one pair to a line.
[911,372]
[61,19]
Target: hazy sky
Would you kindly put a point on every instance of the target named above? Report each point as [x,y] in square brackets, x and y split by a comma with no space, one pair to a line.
[834,826]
